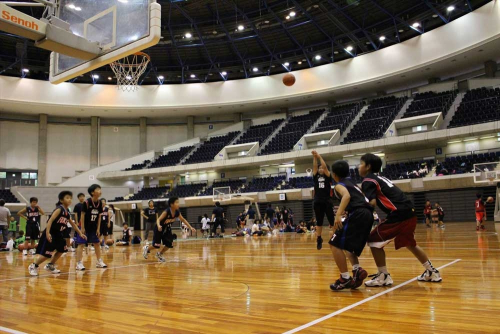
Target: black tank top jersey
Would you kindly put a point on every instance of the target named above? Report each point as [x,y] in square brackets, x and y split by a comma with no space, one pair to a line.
[151,213]
[170,215]
[105,215]
[358,199]
[322,187]
[92,211]
[60,223]
[33,215]
[126,235]
[390,198]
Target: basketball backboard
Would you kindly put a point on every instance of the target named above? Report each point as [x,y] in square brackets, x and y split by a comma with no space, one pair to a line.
[121,27]
[486,173]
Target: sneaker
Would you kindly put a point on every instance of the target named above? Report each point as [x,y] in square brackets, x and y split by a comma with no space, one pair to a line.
[211,237]
[477,228]
[430,276]
[32,251]
[79,266]
[359,276]
[50,267]
[106,247]
[483,228]
[25,252]
[319,243]
[33,270]
[100,264]
[379,279]
[342,284]
[71,249]
[221,236]
[160,258]
[92,249]
[145,251]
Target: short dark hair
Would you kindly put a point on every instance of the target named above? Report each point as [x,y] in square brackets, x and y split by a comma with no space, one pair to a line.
[374,161]
[21,233]
[172,200]
[103,199]
[63,194]
[270,205]
[125,224]
[217,203]
[151,201]
[327,167]
[341,168]
[2,202]
[33,199]
[93,188]
[479,196]
[80,194]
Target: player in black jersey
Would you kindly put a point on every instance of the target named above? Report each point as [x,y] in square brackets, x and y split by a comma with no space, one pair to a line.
[323,202]
[352,233]
[399,226]
[52,244]
[163,229]
[106,227]
[91,223]
[151,216]
[32,215]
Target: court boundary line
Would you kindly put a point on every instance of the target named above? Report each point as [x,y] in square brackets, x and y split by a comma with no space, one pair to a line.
[8,330]
[361,302]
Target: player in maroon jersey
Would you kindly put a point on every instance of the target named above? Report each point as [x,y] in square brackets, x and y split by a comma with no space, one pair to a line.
[427,213]
[480,213]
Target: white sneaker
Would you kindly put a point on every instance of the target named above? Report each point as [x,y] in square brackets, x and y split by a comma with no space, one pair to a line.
[100,264]
[430,276]
[145,251]
[32,251]
[71,249]
[160,258]
[79,266]
[379,279]
[92,249]
[33,270]
[50,267]
[25,252]
[106,247]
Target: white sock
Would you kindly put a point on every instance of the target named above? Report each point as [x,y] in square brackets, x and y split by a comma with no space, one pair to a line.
[383,270]
[345,275]
[428,265]
[356,267]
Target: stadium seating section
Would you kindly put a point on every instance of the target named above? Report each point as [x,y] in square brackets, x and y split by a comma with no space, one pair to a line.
[291,133]
[149,193]
[376,119]
[234,184]
[430,102]
[479,105]
[187,190]
[138,166]
[463,164]
[264,183]
[8,196]
[259,133]
[408,169]
[209,149]
[172,158]
[339,118]
[299,182]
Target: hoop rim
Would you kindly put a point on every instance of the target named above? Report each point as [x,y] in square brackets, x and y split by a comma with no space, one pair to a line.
[142,54]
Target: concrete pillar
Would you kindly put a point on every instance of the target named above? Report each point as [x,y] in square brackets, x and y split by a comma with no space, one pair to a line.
[146,181]
[42,150]
[143,134]
[286,111]
[190,127]
[247,123]
[237,117]
[94,142]
[433,80]
[490,68]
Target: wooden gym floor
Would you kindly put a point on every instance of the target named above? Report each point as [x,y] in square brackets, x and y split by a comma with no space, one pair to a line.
[272,284]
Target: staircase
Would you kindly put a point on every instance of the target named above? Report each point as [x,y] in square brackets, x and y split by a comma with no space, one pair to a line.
[275,132]
[232,142]
[452,110]
[195,148]
[318,121]
[354,121]
[404,108]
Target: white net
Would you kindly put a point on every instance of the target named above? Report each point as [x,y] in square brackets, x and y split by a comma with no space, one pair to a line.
[128,70]
[222,194]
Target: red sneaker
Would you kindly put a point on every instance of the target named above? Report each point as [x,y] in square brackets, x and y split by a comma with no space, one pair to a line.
[359,276]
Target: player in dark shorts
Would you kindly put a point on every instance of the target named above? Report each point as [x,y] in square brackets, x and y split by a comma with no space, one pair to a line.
[163,230]
[218,219]
[32,215]
[440,212]
[105,224]
[151,216]
[427,213]
[52,244]
[323,202]
[399,226]
[352,233]
[91,224]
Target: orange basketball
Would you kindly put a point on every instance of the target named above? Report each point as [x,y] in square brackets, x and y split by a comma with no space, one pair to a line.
[109,242]
[490,199]
[20,247]
[289,79]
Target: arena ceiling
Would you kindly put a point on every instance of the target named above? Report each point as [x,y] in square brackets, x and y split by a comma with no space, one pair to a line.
[217,40]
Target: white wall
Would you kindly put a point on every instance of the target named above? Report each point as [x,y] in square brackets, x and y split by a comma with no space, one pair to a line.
[438,87]
[486,82]
[115,146]
[18,145]
[160,136]
[202,130]
[267,119]
[68,150]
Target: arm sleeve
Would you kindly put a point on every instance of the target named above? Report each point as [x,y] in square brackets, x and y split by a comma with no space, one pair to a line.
[370,190]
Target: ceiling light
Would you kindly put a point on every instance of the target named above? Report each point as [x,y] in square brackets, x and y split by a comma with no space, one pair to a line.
[123,1]
[25,70]
[292,14]
[287,64]
[224,73]
[318,57]
[487,137]
[288,17]
[349,48]
[192,76]
[382,38]
[214,32]
[95,76]
[401,30]
[71,6]
[335,52]
[128,77]
[415,25]
[255,69]
[241,27]
[454,142]
[450,8]
[470,139]
[78,9]
[188,35]
[299,62]
[266,22]
[435,15]
[110,78]
[161,77]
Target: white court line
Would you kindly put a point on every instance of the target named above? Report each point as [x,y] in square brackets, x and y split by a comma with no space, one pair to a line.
[331,315]
[8,330]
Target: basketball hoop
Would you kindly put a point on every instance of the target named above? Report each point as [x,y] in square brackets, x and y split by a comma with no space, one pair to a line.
[128,70]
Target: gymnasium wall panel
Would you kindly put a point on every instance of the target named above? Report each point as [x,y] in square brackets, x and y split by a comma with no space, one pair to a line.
[18,145]
[118,142]
[203,130]
[161,136]
[68,151]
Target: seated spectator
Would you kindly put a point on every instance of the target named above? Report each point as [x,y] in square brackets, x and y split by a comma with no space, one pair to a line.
[127,236]
[311,224]
[20,240]
[240,221]
[301,228]
[264,227]
[256,229]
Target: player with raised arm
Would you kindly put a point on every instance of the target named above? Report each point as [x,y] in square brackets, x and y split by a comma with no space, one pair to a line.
[323,202]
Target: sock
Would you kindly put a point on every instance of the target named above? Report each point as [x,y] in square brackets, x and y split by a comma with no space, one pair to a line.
[428,265]
[356,267]
[383,270]
[319,236]
[345,275]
